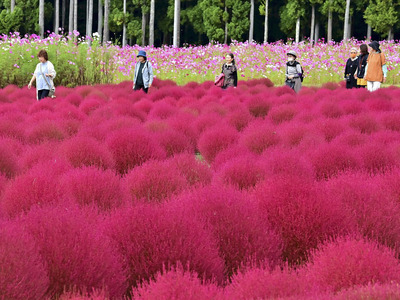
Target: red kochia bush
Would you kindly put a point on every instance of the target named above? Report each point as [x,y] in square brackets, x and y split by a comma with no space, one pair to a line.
[22,272]
[243,234]
[86,151]
[301,213]
[258,106]
[216,139]
[242,172]
[154,181]
[77,254]
[258,136]
[177,284]
[371,291]
[260,283]
[195,171]
[45,130]
[8,160]
[175,142]
[153,237]
[92,186]
[132,147]
[282,113]
[349,261]
[38,186]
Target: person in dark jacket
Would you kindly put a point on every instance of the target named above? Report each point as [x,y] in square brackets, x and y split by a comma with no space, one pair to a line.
[230,71]
[361,65]
[350,70]
[293,72]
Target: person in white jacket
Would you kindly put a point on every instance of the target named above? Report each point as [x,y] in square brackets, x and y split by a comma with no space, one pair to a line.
[44,75]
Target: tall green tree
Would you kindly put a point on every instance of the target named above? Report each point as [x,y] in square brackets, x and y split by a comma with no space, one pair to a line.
[383,16]
[291,14]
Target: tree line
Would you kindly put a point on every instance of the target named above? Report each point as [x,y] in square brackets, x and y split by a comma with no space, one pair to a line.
[179,22]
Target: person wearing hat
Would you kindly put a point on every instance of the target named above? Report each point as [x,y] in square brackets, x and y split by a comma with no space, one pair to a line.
[143,77]
[376,70]
[350,70]
[294,72]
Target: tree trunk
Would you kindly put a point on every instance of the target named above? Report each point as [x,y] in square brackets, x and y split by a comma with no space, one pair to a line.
[144,21]
[177,22]
[63,10]
[329,25]
[312,23]
[346,21]
[349,30]
[390,34]
[316,38]
[56,15]
[369,32]
[251,31]
[298,30]
[226,28]
[266,23]
[76,15]
[71,16]
[106,35]
[12,5]
[124,27]
[89,29]
[100,20]
[41,18]
[152,15]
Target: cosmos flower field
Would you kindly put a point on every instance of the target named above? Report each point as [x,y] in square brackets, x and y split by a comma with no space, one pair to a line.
[77,63]
[193,192]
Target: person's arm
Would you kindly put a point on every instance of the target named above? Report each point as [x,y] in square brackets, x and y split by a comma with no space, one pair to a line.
[346,71]
[151,74]
[385,71]
[33,78]
[52,72]
[134,77]
[235,78]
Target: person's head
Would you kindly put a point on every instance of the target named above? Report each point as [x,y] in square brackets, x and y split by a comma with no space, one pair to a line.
[230,58]
[364,49]
[142,56]
[353,52]
[374,46]
[43,56]
[292,55]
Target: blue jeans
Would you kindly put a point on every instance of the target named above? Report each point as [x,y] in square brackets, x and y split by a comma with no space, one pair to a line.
[43,94]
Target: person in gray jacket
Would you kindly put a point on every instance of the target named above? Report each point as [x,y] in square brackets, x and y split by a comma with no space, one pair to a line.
[143,78]
[294,72]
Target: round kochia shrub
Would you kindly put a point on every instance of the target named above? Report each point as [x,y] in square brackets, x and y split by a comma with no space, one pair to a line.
[300,211]
[38,186]
[23,273]
[262,283]
[215,139]
[195,171]
[90,186]
[258,136]
[154,181]
[132,147]
[8,159]
[243,234]
[85,151]
[78,255]
[177,284]
[152,237]
[349,261]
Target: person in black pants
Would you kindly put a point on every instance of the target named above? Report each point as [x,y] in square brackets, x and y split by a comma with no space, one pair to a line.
[351,68]
[362,64]
[143,78]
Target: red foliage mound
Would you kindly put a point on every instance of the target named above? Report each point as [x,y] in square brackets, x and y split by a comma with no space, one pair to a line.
[215,140]
[301,213]
[258,136]
[243,235]
[372,291]
[349,261]
[132,148]
[93,187]
[85,151]
[260,283]
[168,237]
[154,181]
[77,254]
[38,186]
[195,171]
[23,274]
[177,284]
[8,159]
